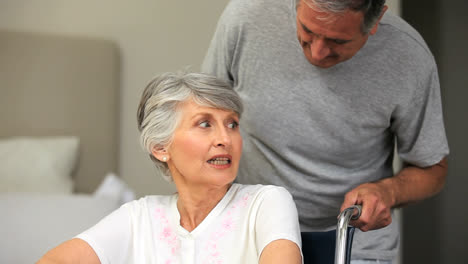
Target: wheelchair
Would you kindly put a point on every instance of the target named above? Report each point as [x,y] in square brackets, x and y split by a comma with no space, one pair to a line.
[331,247]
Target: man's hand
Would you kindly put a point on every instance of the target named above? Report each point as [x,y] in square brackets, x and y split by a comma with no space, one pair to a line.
[410,185]
[376,203]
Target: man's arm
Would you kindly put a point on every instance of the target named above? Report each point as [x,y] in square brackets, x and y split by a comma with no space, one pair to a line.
[412,184]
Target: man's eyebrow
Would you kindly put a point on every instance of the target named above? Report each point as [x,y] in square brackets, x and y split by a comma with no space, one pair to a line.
[308,31]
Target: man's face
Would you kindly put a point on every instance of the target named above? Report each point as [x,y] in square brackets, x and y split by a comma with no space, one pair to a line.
[332,40]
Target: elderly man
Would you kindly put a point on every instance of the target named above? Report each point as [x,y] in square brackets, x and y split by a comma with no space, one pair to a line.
[329,88]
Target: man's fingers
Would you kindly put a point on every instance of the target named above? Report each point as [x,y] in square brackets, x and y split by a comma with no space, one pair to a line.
[349,200]
[375,212]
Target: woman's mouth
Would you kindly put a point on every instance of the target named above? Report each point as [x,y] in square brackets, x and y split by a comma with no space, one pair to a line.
[220,161]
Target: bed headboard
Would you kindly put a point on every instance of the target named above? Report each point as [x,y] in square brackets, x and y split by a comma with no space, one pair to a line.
[61,85]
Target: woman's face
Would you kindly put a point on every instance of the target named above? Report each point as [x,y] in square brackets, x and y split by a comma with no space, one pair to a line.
[206,147]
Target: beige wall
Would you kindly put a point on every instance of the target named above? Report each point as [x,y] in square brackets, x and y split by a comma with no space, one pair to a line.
[394,6]
[153,36]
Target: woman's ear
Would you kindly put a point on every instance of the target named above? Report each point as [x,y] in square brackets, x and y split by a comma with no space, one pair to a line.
[160,153]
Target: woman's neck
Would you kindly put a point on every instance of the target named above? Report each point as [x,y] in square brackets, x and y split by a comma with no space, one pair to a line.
[195,204]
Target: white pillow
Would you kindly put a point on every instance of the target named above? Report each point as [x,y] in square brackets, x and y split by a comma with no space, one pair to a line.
[113,187]
[38,164]
[31,223]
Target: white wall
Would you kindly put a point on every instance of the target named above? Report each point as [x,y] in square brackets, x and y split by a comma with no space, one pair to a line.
[153,36]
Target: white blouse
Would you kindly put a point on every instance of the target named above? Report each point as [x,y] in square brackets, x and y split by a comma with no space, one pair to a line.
[236,231]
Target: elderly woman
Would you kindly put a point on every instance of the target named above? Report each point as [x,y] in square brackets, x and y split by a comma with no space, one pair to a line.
[189,126]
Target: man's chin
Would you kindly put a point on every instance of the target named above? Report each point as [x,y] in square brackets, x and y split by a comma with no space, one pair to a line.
[324,64]
[327,62]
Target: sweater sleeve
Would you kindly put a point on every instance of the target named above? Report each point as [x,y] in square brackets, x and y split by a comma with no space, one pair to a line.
[419,125]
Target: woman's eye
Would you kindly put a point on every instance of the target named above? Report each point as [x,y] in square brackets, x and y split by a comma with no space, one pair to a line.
[233,125]
[204,124]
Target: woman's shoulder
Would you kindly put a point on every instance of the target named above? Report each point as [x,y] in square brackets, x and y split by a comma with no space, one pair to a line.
[150,202]
[266,201]
[260,190]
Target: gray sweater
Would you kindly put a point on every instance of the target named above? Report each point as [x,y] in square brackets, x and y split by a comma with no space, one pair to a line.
[321,132]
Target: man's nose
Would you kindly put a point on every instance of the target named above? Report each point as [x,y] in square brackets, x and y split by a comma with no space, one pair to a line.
[319,49]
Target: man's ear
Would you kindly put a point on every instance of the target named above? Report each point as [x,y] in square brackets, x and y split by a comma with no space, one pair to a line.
[160,153]
[375,27]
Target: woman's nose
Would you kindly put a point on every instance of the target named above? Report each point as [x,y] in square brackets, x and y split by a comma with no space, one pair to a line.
[222,138]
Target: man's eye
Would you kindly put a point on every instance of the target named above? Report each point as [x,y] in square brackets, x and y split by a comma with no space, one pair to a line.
[233,125]
[305,43]
[306,29]
[340,41]
[204,124]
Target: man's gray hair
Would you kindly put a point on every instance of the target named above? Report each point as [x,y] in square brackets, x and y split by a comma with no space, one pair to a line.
[158,114]
[372,9]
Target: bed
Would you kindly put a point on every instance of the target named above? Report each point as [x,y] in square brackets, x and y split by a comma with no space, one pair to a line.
[58,140]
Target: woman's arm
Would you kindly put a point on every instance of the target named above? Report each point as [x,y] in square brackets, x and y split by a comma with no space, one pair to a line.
[74,251]
[281,251]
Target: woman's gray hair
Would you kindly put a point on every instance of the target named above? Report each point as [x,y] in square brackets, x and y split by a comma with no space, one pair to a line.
[372,9]
[158,114]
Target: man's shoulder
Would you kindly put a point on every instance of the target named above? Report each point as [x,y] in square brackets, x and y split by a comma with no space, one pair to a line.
[402,47]
[397,29]
[259,3]
[245,10]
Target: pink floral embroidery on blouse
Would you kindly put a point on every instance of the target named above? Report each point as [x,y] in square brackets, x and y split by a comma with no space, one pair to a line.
[227,225]
[167,235]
